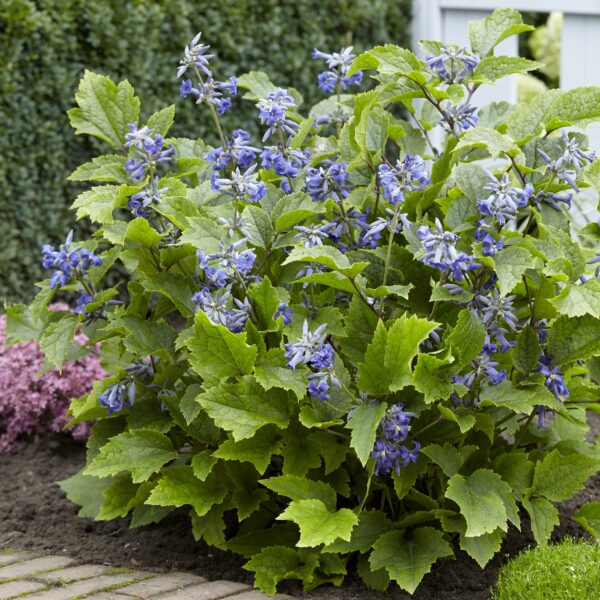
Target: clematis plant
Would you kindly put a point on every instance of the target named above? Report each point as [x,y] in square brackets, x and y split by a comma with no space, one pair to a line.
[361,342]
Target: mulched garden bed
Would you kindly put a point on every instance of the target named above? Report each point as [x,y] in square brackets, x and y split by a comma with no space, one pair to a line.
[34,514]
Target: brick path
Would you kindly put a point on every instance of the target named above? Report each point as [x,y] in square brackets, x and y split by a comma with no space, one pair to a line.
[32,577]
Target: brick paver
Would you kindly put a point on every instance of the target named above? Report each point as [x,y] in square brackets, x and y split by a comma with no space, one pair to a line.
[213,590]
[167,582]
[17,588]
[32,577]
[34,565]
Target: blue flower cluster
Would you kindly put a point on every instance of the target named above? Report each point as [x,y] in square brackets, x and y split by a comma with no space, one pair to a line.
[312,350]
[553,380]
[458,118]
[335,79]
[221,271]
[140,202]
[441,252]
[241,186]
[408,175]
[207,90]
[238,152]
[149,151]
[68,262]
[118,396]
[453,65]
[329,180]
[389,451]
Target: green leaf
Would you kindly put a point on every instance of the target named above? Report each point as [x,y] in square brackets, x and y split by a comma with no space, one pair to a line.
[588,516]
[145,336]
[577,106]
[119,498]
[447,457]
[22,324]
[270,376]
[578,300]
[109,168]
[139,233]
[371,131]
[371,524]
[388,59]
[387,366]
[471,179]
[141,452]
[521,400]
[510,264]
[258,223]
[574,339]
[161,121]
[432,378]
[496,67]
[243,408]
[482,548]
[408,560]
[528,118]
[178,486]
[86,491]
[487,33]
[203,234]
[276,563]
[257,450]
[203,463]
[177,288]
[558,476]
[544,518]
[265,302]
[57,339]
[465,421]
[317,524]
[293,209]
[363,423]
[328,256]
[481,497]
[527,351]
[331,279]
[490,139]
[259,85]
[301,488]
[517,470]
[467,338]
[104,109]
[217,353]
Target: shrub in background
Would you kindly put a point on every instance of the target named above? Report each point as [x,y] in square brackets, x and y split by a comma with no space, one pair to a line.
[32,406]
[46,44]
[346,346]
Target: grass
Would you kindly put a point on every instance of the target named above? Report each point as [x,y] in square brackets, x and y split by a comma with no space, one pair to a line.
[566,571]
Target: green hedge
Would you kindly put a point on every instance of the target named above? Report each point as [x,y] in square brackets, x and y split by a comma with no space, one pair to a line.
[47,44]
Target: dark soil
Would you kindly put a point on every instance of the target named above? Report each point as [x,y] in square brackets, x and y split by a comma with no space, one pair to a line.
[34,514]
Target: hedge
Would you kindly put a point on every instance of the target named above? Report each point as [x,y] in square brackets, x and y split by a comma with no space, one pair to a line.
[47,44]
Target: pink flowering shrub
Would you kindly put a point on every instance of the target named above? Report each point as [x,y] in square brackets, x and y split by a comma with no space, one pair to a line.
[34,406]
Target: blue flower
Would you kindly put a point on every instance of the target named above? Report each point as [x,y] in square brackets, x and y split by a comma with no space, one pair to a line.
[117,396]
[194,56]
[82,301]
[483,368]
[453,64]
[573,155]
[149,151]
[338,116]
[243,186]
[327,181]
[222,309]
[238,152]
[442,253]
[491,308]
[318,388]
[303,351]
[211,92]
[490,245]
[339,65]
[139,202]
[230,259]
[273,110]
[314,234]
[459,118]
[408,175]
[504,201]
[284,312]
[553,378]
[386,456]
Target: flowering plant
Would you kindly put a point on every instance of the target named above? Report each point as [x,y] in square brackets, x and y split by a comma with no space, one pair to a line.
[362,342]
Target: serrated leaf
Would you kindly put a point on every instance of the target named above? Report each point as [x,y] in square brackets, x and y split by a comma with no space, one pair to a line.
[317,524]
[293,209]
[465,421]
[104,109]
[408,560]
[574,339]
[371,525]
[301,488]
[86,491]
[178,486]
[588,516]
[265,302]
[257,450]
[141,452]
[510,264]
[160,122]
[271,376]
[363,423]
[203,463]
[521,400]
[578,300]
[481,497]
[517,470]
[244,407]
[528,118]
[388,360]
[527,351]
[482,548]
[217,353]
[328,256]
[447,457]
[388,59]
[57,339]
[203,234]
[558,476]
[109,168]
[119,497]
[487,33]
[544,518]
[467,338]
[432,378]
[471,179]
[258,224]
[496,67]
[490,139]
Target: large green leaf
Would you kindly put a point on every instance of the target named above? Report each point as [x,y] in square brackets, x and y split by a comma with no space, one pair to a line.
[57,339]
[573,339]
[578,300]
[520,400]
[257,450]
[588,516]
[301,488]
[388,360]
[364,422]
[104,108]
[510,265]
[467,338]
[490,139]
[216,353]
[487,33]
[544,518]
[495,67]
[481,497]
[178,486]
[318,525]
[141,452]
[408,560]
[244,407]
[86,491]
[527,351]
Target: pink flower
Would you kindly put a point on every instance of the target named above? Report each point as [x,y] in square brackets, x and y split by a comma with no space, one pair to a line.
[33,406]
